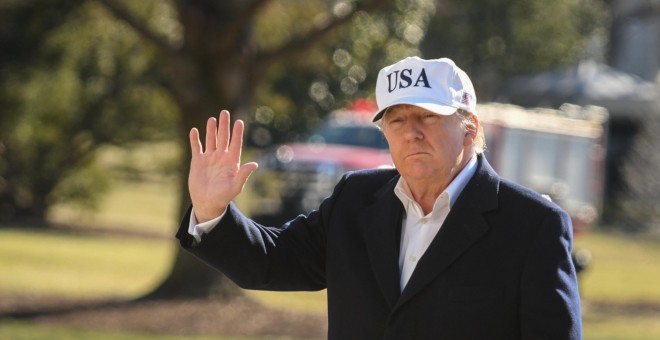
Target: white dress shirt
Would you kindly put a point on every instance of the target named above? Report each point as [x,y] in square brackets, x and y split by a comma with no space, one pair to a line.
[417,229]
[197,230]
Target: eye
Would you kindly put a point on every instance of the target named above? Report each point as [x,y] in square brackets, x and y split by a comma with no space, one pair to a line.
[430,117]
[395,120]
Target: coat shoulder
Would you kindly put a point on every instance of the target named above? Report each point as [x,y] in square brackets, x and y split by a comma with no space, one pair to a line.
[370,178]
[361,187]
[525,198]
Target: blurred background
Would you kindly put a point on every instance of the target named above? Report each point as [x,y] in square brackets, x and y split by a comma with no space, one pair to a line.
[97,98]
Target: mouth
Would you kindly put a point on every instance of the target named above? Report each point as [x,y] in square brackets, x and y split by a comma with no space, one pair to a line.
[417,154]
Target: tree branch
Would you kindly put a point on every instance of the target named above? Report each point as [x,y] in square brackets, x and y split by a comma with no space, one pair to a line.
[246,15]
[123,14]
[233,33]
[301,44]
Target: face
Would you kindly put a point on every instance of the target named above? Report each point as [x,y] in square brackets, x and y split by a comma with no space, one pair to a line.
[424,145]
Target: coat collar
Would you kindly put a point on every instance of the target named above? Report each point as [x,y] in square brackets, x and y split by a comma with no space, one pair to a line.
[462,228]
[381,223]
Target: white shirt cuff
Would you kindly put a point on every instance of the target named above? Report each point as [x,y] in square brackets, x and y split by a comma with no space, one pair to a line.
[198,229]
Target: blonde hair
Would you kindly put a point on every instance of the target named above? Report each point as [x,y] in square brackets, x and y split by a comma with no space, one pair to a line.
[468,121]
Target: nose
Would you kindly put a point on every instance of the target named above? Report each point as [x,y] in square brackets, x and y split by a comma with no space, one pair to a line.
[412,130]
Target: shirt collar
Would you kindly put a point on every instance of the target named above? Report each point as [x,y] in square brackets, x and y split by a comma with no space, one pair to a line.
[453,190]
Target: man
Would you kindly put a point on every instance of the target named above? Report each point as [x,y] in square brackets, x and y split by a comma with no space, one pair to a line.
[439,248]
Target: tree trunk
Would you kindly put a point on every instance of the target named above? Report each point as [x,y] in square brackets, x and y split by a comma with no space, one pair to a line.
[190,277]
[198,101]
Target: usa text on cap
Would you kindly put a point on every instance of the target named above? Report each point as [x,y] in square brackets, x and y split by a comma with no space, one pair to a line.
[437,85]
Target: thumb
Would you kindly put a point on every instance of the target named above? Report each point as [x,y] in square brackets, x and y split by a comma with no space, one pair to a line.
[245,171]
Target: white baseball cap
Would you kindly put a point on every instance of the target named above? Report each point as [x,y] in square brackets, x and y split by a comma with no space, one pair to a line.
[437,85]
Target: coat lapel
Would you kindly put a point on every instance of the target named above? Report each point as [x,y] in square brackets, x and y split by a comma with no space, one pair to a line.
[381,225]
[462,228]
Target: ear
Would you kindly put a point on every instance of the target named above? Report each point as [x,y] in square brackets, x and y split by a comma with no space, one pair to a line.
[472,128]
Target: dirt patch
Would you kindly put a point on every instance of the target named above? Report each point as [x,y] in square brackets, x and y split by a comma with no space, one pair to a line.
[199,316]
[643,308]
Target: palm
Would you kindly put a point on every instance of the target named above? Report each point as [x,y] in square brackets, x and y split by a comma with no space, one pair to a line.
[216,175]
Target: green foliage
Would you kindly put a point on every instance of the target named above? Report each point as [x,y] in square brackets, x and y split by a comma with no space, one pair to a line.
[298,93]
[90,82]
[495,39]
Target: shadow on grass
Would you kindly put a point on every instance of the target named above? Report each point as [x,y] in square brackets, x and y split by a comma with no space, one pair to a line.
[239,316]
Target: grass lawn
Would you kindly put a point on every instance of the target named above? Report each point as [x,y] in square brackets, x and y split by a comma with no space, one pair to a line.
[15,330]
[623,276]
[621,327]
[148,207]
[624,269]
[86,266]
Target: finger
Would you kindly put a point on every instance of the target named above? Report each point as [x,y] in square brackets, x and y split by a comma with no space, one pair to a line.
[223,130]
[195,143]
[236,146]
[211,130]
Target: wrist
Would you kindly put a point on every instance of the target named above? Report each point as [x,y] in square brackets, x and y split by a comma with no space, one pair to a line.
[204,215]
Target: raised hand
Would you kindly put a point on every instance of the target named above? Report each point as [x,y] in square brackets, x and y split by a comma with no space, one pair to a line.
[216,175]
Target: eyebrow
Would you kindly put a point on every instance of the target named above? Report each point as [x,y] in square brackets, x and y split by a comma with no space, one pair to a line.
[397,110]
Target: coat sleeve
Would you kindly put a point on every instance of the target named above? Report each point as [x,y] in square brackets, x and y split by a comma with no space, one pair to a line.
[291,257]
[550,301]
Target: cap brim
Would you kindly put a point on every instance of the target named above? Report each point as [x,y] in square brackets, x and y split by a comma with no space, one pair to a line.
[444,110]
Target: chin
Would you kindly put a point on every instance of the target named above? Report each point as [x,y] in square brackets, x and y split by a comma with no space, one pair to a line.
[417,173]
